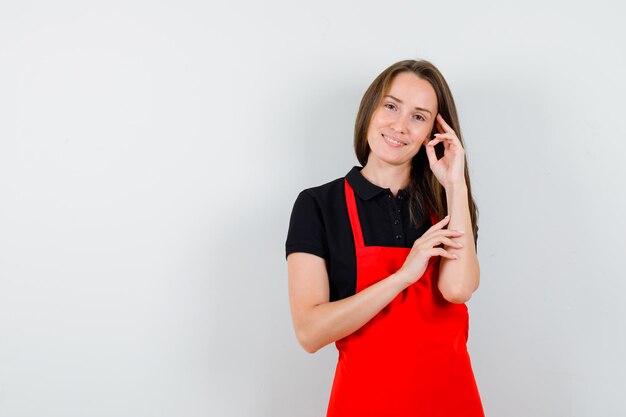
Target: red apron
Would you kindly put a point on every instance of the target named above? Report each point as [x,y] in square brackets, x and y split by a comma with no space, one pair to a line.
[410,359]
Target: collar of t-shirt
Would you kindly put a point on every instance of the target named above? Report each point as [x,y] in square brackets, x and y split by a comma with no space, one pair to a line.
[365,189]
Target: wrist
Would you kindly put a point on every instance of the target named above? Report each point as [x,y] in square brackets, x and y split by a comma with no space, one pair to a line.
[401,279]
[460,187]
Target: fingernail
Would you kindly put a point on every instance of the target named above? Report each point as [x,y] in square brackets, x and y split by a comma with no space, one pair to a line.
[461,231]
[447,216]
[455,256]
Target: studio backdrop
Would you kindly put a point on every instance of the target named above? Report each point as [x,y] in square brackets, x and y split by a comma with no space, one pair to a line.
[151,153]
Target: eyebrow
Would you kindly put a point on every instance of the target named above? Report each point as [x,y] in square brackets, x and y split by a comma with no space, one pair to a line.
[400,101]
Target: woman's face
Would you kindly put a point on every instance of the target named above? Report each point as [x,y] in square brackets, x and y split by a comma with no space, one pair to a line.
[407,114]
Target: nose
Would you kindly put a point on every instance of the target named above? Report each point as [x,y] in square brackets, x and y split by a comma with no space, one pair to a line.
[399,124]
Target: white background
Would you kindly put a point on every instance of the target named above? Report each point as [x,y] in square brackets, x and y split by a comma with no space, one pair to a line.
[151,152]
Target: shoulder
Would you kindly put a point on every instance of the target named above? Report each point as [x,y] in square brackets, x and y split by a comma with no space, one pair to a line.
[312,217]
[324,194]
[321,204]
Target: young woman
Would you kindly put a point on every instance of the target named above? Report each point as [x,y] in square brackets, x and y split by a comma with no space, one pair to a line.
[382,261]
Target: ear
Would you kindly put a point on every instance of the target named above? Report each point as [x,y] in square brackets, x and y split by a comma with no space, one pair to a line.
[435,130]
[431,135]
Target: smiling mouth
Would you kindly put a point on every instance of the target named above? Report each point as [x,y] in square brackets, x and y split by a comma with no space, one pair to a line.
[393,141]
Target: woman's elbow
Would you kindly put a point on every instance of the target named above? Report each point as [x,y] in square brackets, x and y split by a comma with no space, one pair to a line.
[310,348]
[306,341]
[457,296]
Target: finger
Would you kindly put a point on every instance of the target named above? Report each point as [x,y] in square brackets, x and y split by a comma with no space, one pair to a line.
[451,232]
[445,126]
[442,222]
[444,253]
[445,136]
[449,242]
[435,227]
[435,236]
[437,239]
[430,152]
[450,142]
[449,138]
[438,226]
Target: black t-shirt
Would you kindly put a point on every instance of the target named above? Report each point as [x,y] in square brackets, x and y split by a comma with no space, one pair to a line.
[320,225]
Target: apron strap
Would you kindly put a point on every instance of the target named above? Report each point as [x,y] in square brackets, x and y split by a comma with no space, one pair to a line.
[354,215]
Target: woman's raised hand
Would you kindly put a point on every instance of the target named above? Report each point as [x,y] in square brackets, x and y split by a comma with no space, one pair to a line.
[425,247]
[449,170]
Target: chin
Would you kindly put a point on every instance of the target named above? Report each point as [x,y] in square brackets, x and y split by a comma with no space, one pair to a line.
[386,158]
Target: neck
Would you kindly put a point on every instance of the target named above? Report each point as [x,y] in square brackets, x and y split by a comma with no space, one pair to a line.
[394,177]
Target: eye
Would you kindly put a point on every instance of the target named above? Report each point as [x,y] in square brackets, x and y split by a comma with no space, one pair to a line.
[420,117]
[389,104]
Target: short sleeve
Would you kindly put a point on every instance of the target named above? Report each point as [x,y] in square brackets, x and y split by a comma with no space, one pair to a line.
[306,228]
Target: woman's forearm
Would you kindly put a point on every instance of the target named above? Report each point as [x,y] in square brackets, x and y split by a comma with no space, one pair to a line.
[459,278]
[331,321]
